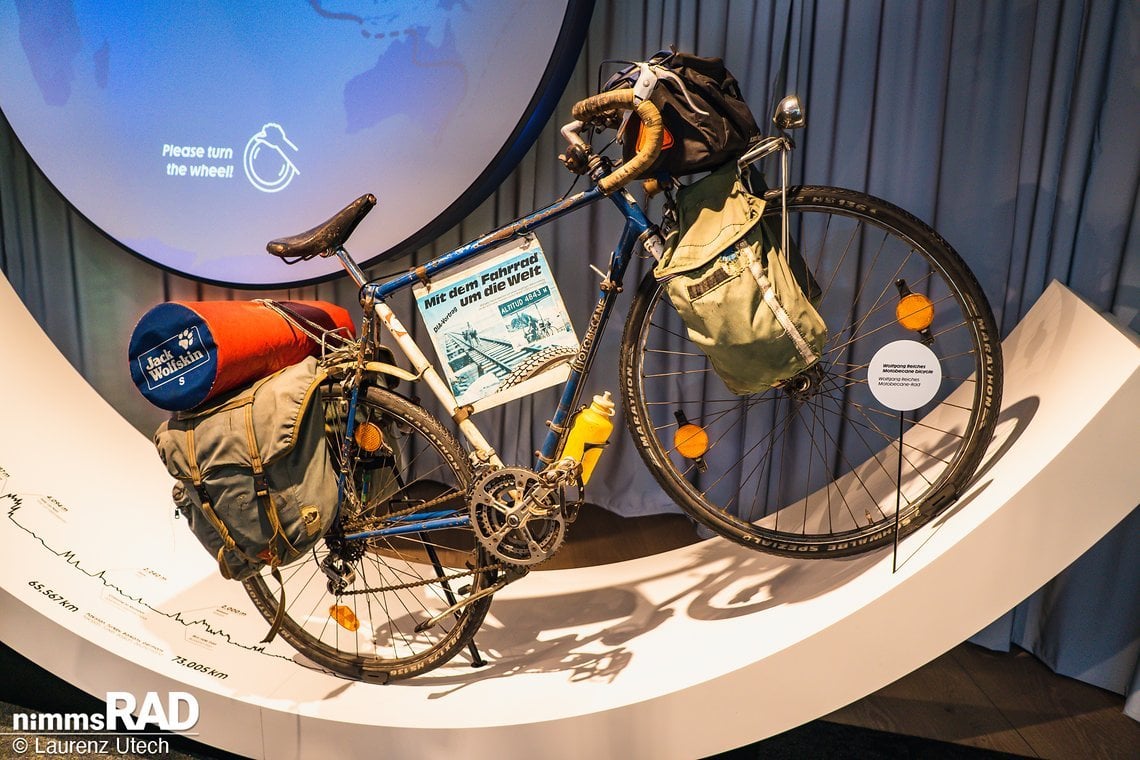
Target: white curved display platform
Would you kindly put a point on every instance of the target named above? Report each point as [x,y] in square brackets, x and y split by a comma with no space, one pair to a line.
[682,654]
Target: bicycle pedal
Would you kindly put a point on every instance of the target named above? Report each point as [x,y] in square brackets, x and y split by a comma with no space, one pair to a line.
[570,511]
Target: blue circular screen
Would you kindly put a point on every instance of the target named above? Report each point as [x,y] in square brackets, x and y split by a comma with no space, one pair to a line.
[193,133]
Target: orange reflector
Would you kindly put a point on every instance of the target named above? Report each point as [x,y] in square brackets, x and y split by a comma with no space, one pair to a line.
[344,617]
[368,436]
[691,441]
[915,311]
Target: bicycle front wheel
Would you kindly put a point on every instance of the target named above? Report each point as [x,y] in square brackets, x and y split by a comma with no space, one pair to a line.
[363,607]
[811,468]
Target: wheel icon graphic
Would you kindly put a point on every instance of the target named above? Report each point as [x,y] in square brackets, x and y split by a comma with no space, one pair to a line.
[268,166]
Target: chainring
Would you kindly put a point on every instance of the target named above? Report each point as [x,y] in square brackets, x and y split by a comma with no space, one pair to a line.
[517,516]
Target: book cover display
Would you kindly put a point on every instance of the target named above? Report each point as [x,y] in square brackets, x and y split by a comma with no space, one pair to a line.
[500,327]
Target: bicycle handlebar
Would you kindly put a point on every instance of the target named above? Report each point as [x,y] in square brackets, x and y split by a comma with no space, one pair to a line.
[604,103]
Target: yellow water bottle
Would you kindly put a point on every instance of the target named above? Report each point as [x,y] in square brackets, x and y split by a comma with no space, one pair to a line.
[590,433]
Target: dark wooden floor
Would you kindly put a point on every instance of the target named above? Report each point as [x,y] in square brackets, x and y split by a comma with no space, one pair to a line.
[1008,702]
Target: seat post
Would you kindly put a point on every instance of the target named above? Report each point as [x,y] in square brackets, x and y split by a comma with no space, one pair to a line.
[351,266]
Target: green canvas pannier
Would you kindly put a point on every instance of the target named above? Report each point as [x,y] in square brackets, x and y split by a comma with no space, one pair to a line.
[255,480]
[732,285]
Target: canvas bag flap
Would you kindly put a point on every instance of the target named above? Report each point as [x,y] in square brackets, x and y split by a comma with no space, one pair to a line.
[279,402]
[713,214]
[278,413]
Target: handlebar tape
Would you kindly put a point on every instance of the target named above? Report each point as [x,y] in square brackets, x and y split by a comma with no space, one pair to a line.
[614,101]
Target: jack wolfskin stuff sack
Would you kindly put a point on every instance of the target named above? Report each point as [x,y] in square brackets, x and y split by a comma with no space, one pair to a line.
[706,119]
[732,286]
[255,480]
[183,354]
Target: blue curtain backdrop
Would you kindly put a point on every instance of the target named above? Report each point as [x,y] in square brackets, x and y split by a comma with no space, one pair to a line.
[1010,126]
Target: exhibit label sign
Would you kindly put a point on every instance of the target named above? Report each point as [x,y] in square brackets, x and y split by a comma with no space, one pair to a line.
[904,375]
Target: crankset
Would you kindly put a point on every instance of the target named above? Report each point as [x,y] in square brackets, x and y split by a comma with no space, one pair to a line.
[520,516]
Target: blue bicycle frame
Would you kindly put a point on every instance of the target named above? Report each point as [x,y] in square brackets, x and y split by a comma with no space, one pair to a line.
[374,296]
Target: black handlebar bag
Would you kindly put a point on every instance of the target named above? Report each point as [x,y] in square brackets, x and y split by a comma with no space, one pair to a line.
[706,119]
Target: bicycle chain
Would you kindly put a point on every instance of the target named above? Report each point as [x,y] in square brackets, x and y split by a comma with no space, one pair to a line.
[424,582]
[376,521]
[368,522]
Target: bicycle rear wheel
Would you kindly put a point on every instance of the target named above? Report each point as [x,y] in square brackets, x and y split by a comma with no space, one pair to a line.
[811,468]
[357,606]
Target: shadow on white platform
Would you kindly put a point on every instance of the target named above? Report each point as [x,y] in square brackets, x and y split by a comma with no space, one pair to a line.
[683,654]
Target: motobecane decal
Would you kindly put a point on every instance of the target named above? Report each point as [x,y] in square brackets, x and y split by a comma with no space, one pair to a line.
[173,358]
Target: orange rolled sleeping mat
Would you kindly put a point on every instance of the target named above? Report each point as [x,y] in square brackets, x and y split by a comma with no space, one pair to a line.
[185,353]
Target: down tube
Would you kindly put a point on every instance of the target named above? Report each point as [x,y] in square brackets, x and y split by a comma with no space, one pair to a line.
[636,225]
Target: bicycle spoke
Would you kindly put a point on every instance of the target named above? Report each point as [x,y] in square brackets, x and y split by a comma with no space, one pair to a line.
[812,462]
[356,606]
